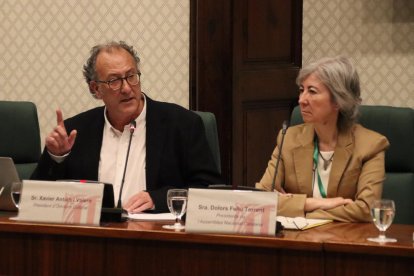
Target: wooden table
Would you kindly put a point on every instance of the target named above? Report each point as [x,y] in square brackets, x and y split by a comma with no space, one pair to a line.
[145,248]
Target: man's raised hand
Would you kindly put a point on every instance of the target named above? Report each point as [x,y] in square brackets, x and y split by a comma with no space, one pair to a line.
[58,142]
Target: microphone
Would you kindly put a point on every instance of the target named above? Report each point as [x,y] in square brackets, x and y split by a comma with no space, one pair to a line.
[284,129]
[118,214]
[132,127]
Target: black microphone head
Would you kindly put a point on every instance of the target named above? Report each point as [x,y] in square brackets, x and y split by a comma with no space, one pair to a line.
[285,126]
[132,126]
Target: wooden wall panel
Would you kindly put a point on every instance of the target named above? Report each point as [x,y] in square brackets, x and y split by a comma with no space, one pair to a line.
[269,29]
[267,57]
[261,121]
[210,68]
[245,55]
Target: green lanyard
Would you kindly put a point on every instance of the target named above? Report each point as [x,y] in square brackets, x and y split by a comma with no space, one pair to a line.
[315,161]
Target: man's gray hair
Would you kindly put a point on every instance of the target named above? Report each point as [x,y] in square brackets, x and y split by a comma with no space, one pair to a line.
[340,76]
[89,69]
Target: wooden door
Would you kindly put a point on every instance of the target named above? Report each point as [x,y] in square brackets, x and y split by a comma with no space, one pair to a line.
[245,56]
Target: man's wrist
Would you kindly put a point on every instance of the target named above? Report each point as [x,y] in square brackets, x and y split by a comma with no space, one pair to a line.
[57,158]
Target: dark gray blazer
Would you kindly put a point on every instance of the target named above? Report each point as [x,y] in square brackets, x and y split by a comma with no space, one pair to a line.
[177,152]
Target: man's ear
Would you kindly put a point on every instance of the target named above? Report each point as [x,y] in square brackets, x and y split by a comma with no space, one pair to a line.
[93,88]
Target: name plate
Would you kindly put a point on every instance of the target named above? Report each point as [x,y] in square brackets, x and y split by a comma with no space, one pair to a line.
[61,202]
[236,212]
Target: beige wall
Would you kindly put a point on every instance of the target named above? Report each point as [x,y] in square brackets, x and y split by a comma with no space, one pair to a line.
[377,34]
[44,44]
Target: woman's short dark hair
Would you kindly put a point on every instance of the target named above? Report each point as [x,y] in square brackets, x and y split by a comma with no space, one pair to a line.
[89,69]
[341,78]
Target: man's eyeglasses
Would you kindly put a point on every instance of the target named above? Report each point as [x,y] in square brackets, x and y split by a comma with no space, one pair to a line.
[116,84]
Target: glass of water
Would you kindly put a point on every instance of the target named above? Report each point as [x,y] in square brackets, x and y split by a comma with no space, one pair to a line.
[177,203]
[382,213]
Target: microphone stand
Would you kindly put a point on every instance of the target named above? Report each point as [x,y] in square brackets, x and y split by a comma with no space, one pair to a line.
[284,129]
[279,227]
[118,214]
[132,126]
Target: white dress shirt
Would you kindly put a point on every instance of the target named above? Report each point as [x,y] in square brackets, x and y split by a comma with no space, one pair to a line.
[113,155]
[324,174]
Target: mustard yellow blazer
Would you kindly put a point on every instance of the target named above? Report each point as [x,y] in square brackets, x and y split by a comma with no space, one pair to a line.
[357,172]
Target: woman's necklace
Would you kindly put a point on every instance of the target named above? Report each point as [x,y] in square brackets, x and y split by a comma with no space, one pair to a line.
[326,162]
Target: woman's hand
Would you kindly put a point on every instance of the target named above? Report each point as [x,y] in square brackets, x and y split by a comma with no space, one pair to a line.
[312,204]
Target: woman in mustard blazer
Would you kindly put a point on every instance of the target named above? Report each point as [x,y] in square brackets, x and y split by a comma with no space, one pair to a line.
[330,166]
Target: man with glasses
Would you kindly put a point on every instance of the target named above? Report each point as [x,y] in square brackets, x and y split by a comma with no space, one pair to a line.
[168,148]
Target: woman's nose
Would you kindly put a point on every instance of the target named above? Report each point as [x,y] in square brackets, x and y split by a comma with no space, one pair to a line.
[302,98]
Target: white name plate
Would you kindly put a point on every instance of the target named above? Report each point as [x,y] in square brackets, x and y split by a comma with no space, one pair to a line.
[61,202]
[236,212]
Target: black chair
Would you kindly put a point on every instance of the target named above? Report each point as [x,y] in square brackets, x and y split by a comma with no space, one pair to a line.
[210,125]
[397,124]
[20,135]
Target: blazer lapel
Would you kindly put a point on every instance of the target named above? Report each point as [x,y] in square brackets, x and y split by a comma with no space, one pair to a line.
[342,156]
[155,133]
[89,143]
[303,162]
[95,136]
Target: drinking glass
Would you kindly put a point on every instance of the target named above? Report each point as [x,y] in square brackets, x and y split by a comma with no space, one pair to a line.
[15,191]
[382,213]
[177,203]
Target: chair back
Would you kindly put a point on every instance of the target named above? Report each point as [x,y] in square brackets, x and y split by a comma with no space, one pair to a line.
[20,135]
[210,125]
[397,124]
